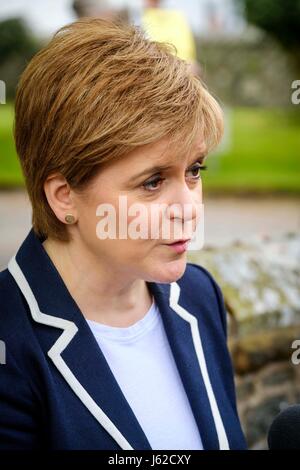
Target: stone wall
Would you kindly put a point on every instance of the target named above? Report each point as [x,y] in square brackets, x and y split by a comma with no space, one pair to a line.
[261,395]
[252,70]
[260,282]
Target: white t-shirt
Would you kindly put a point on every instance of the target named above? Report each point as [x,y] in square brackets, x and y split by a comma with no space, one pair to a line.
[144,367]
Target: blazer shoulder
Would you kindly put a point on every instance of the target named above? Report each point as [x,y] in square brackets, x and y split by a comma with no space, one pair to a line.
[13,315]
[8,287]
[201,284]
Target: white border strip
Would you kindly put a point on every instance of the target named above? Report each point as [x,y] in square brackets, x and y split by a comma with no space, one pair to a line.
[174,297]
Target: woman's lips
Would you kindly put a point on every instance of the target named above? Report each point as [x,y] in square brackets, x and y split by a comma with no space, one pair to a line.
[179,247]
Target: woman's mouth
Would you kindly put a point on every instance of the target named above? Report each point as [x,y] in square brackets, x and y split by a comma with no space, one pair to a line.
[179,246]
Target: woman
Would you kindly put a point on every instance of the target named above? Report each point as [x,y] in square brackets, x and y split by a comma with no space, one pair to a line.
[113,342]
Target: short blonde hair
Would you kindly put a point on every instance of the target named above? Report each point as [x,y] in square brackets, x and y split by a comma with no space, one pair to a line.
[98,90]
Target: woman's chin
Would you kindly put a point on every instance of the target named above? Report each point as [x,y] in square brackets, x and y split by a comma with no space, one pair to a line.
[170,271]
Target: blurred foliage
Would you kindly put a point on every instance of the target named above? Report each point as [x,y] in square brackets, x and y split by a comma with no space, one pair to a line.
[279,18]
[17,46]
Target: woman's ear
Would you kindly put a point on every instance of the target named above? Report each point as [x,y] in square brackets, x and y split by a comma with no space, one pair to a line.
[59,196]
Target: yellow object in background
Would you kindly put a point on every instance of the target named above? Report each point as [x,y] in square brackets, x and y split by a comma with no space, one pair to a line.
[170,26]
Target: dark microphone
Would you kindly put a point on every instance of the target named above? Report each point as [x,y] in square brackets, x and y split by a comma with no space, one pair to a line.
[284,432]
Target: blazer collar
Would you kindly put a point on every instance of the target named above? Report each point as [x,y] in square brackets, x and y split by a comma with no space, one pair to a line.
[92,381]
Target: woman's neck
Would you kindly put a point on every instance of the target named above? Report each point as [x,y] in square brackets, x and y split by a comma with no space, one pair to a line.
[102,295]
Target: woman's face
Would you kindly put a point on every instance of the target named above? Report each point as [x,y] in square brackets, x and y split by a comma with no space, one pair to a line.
[142,206]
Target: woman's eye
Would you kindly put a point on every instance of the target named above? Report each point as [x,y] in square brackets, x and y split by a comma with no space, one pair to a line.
[149,184]
[152,185]
[196,170]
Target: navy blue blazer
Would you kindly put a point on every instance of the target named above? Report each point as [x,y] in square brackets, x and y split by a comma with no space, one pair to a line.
[57,390]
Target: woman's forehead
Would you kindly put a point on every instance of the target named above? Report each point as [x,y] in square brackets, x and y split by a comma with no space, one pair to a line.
[167,151]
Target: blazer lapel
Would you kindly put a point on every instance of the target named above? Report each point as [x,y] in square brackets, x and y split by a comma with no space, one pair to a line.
[185,341]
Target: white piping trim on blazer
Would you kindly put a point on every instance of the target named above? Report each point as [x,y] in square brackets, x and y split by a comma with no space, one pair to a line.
[70,330]
[174,297]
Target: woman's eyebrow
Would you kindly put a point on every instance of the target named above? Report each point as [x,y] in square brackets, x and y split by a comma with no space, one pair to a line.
[159,168]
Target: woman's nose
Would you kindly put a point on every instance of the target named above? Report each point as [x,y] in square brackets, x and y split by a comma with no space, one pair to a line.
[185,203]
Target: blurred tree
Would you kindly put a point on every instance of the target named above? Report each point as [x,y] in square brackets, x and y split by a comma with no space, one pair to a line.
[17,46]
[279,18]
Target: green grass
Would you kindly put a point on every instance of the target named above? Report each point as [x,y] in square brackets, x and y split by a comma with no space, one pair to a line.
[10,171]
[261,152]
